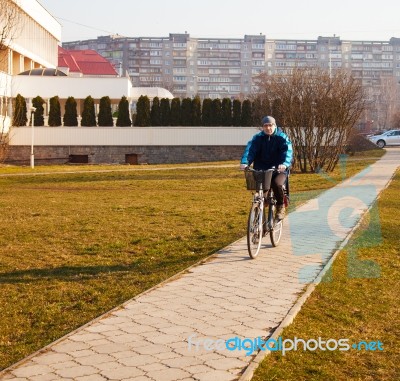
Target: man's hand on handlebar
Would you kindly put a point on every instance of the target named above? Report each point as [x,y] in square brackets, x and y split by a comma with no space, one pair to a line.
[281,168]
[243,167]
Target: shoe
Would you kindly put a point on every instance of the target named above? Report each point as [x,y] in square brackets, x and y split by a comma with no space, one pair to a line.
[280,212]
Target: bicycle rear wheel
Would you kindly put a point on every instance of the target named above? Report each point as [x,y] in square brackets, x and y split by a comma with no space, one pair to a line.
[275,233]
[254,230]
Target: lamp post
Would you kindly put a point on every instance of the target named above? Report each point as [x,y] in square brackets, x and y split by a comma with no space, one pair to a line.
[32,110]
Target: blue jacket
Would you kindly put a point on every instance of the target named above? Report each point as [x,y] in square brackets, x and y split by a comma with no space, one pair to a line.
[268,151]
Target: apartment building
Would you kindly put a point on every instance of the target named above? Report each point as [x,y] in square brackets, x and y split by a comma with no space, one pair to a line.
[225,67]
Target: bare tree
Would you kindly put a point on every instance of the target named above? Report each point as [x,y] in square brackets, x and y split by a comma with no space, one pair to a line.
[9,28]
[318,110]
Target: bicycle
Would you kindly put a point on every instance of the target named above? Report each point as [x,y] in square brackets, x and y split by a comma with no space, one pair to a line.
[258,226]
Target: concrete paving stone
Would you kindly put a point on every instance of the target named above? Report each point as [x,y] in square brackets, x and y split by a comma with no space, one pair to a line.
[86,337]
[93,377]
[152,349]
[51,357]
[32,370]
[152,367]
[195,369]
[115,320]
[69,346]
[226,364]
[95,359]
[45,377]
[168,374]
[136,328]
[96,343]
[77,371]
[181,362]
[82,353]
[110,348]
[179,330]
[166,355]
[216,375]
[126,338]
[162,339]
[122,373]
[213,331]
[108,365]
[137,360]
[60,365]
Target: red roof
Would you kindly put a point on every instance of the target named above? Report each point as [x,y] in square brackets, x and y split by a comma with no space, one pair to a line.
[87,62]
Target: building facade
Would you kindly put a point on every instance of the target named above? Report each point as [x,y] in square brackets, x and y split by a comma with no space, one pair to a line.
[225,67]
[29,38]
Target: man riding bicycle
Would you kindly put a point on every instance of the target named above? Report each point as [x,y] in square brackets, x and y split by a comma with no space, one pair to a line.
[267,149]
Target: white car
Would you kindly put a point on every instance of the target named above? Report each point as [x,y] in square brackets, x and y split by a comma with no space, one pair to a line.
[388,138]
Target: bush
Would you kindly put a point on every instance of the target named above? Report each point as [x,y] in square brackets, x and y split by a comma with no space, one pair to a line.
[55,112]
[38,102]
[236,112]
[226,112]
[123,118]
[71,115]
[155,113]
[143,111]
[165,112]
[186,112]
[19,116]
[206,112]
[176,112]
[105,114]
[196,111]
[247,118]
[88,113]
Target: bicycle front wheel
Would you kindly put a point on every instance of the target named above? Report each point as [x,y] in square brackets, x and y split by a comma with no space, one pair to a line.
[275,233]
[254,230]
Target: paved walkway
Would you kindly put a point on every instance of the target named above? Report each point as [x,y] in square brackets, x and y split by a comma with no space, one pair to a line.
[160,335]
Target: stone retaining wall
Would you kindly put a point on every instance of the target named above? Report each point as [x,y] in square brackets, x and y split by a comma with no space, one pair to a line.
[116,154]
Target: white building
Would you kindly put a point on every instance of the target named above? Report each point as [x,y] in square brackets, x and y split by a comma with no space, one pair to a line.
[31,41]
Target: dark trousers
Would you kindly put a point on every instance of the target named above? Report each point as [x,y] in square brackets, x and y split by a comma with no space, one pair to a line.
[277,183]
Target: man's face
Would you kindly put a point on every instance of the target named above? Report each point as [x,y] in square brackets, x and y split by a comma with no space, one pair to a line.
[269,128]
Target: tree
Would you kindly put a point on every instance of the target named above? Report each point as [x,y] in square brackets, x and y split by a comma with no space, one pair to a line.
[165,112]
[236,112]
[155,113]
[216,112]
[206,112]
[19,116]
[143,111]
[196,111]
[55,112]
[226,118]
[123,119]
[319,110]
[88,113]
[71,115]
[186,112]
[247,118]
[176,112]
[38,102]
[105,118]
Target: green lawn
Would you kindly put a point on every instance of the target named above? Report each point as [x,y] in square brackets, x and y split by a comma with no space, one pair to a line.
[362,308]
[75,245]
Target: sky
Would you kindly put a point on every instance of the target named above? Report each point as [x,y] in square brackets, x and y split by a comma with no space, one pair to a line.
[364,20]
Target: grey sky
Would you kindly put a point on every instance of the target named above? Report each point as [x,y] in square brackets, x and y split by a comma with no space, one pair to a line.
[290,19]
